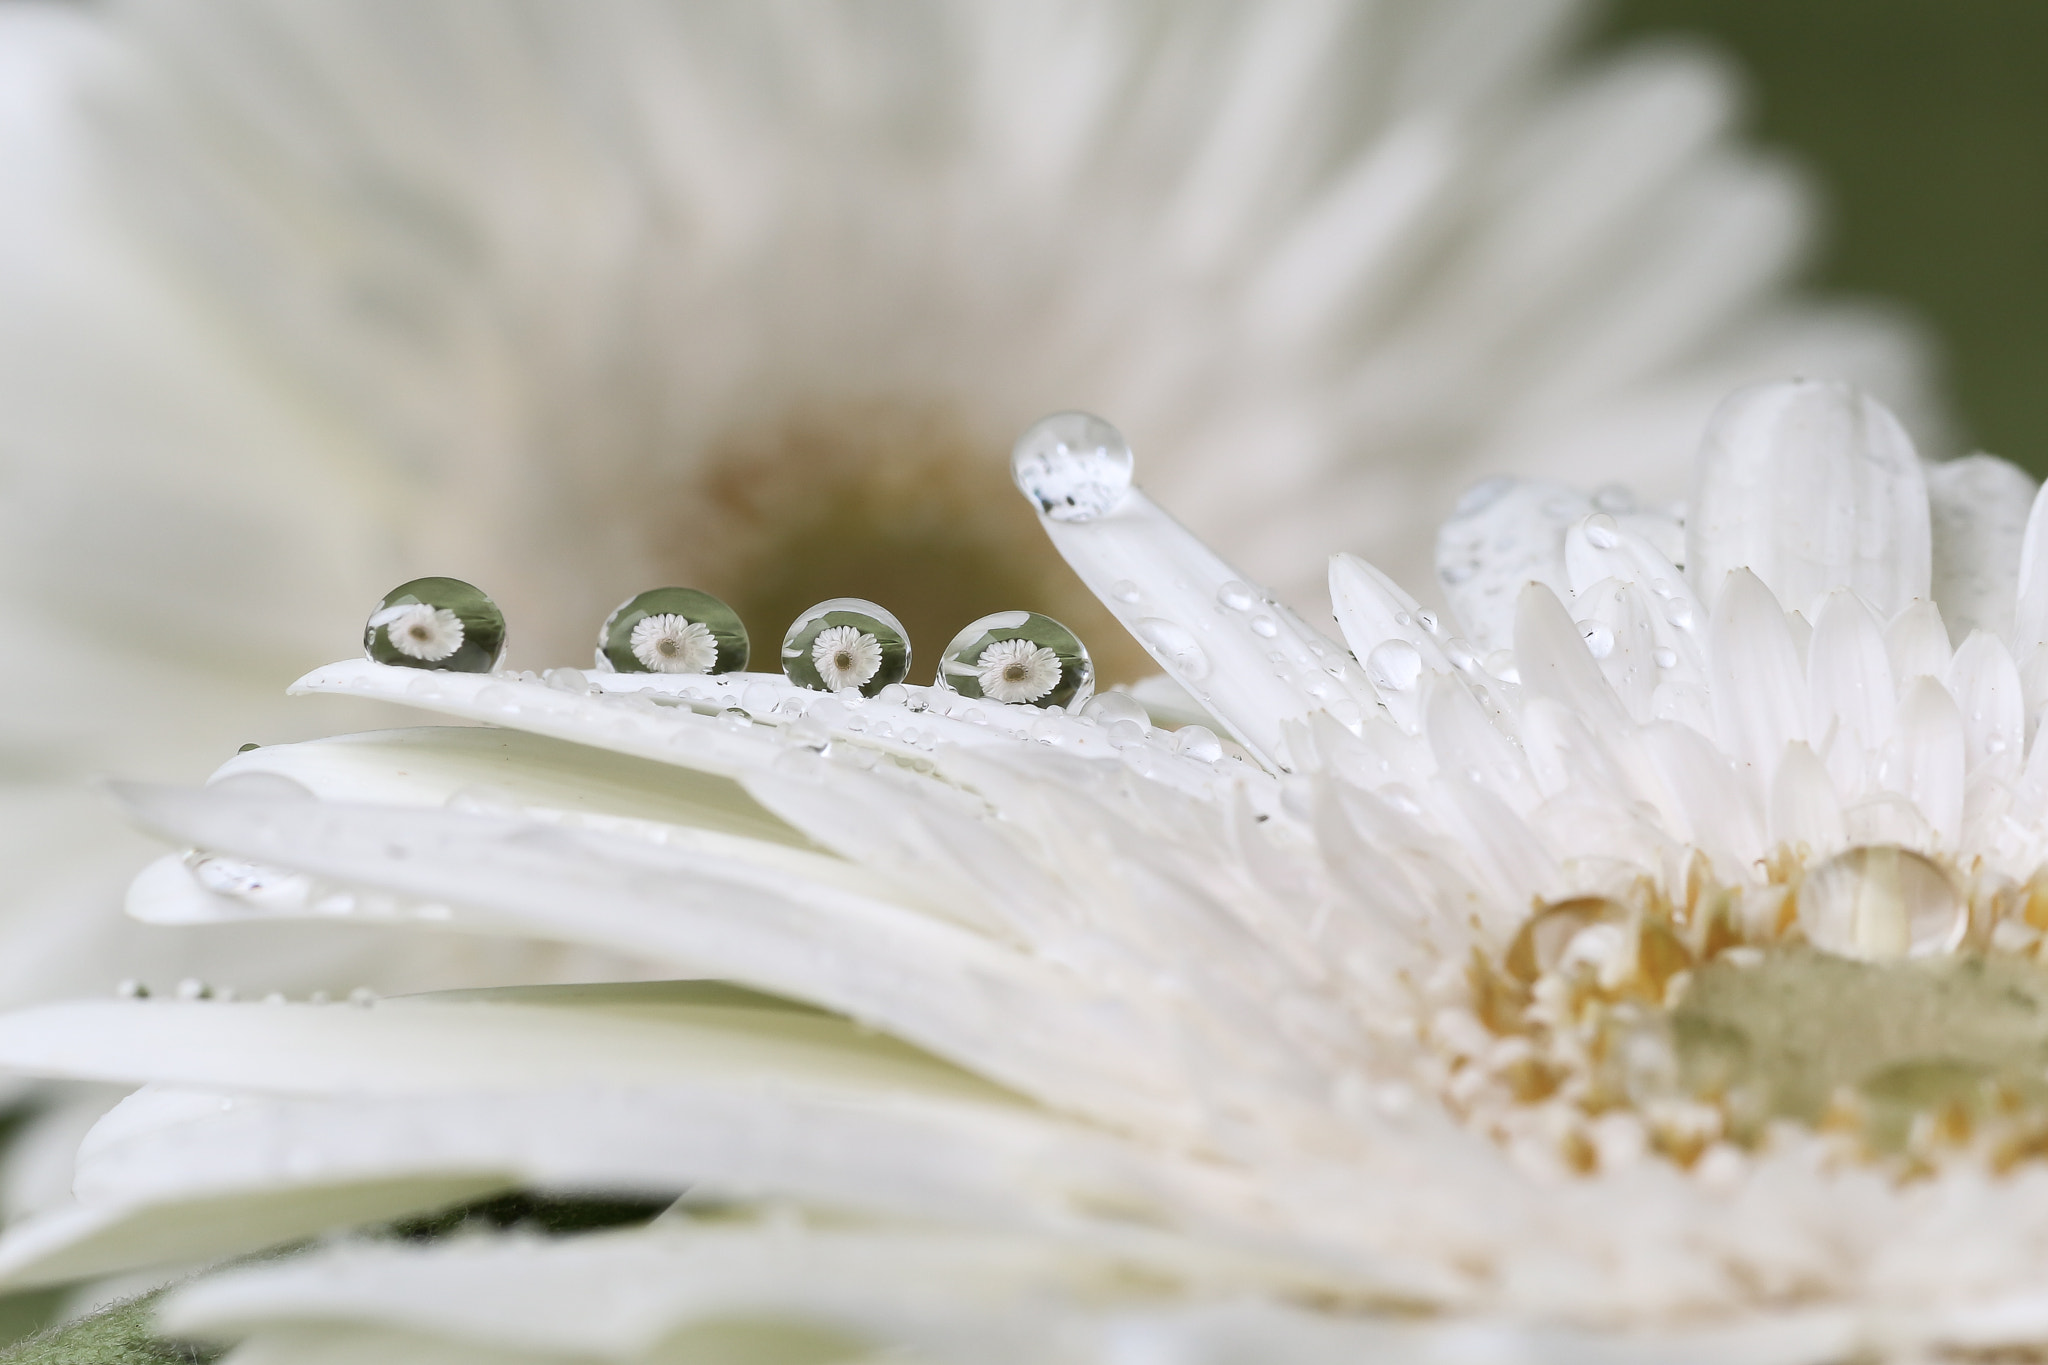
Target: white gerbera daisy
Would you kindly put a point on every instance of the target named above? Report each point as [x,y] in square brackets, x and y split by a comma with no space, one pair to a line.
[299,301]
[1017,671]
[668,643]
[419,631]
[846,656]
[1666,985]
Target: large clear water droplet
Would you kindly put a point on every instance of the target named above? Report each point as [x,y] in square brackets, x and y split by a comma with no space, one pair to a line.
[1175,646]
[1394,665]
[1599,638]
[1198,742]
[1073,466]
[1601,532]
[439,623]
[1108,708]
[1018,658]
[672,630]
[1882,902]
[846,643]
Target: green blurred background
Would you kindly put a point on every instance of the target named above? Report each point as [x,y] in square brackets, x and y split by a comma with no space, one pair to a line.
[1924,124]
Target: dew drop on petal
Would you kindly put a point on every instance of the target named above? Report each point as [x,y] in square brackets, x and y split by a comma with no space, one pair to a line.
[1018,658]
[1666,658]
[1265,627]
[1881,902]
[1427,620]
[1073,466]
[672,630]
[1601,532]
[1394,665]
[1124,590]
[442,624]
[1198,742]
[1501,664]
[1107,708]
[1599,638]
[846,644]
[1237,596]
[1175,646]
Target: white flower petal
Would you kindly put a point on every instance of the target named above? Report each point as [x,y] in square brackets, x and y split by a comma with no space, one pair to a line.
[1811,485]
[1504,534]
[1178,604]
[1759,687]
[1977,513]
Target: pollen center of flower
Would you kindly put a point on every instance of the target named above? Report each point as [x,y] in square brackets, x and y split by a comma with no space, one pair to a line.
[1865,997]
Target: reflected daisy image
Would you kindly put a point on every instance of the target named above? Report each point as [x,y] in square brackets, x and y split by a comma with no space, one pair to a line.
[1665,983]
[301,300]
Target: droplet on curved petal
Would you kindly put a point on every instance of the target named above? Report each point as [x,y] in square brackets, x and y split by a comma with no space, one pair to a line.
[436,623]
[672,630]
[846,642]
[1250,662]
[1018,658]
[1977,514]
[1811,485]
[1881,903]
[1074,466]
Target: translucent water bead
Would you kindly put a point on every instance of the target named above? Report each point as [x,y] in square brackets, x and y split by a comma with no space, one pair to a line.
[843,643]
[437,623]
[672,630]
[1019,657]
[1074,466]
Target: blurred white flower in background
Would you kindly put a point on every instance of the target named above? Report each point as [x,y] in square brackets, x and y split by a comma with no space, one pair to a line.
[571,300]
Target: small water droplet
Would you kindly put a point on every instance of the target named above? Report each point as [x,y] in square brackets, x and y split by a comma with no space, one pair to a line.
[1394,665]
[1198,742]
[1122,734]
[1124,590]
[1994,744]
[1018,658]
[672,630]
[1462,655]
[895,694]
[1601,532]
[1427,620]
[443,624]
[1073,466]
[846,644]
[1666,658]
[1679,614]
[1237,596]
[1501,663]
[1265,627]
[1599,638]
[1107,708]
[570,680]
[1175,647]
